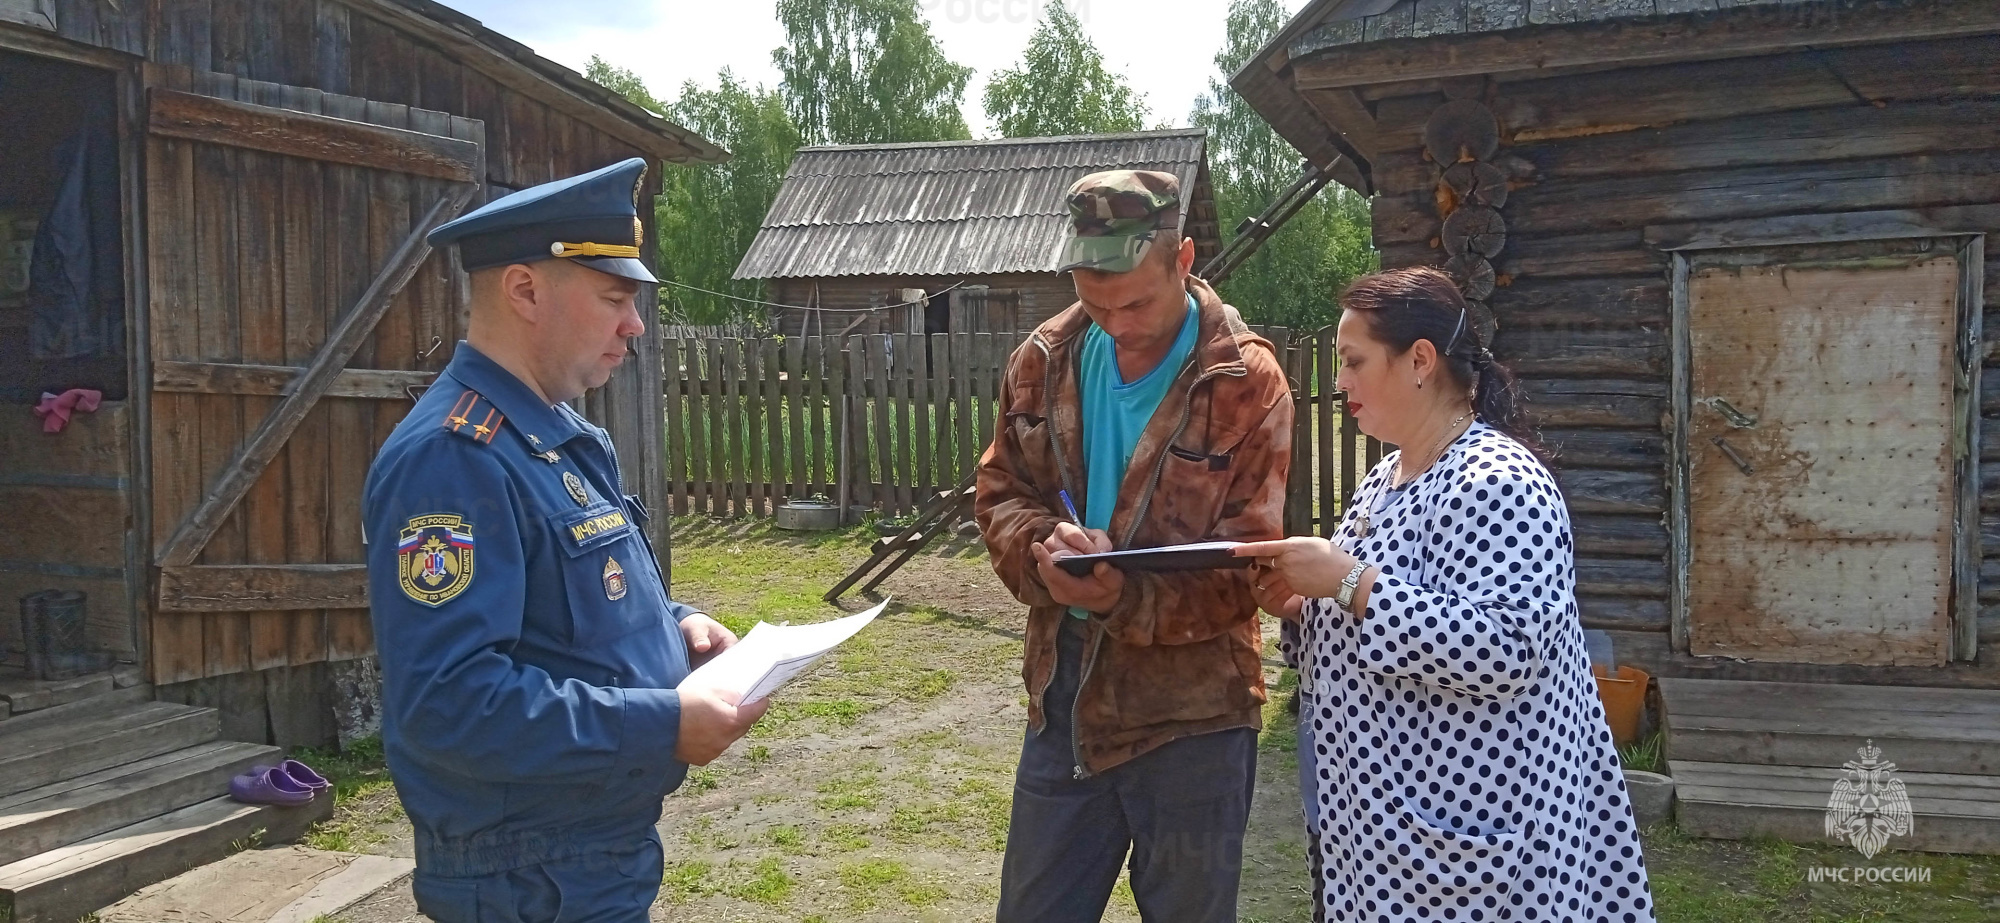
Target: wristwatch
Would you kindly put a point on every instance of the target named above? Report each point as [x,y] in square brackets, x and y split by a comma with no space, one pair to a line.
[1349,584]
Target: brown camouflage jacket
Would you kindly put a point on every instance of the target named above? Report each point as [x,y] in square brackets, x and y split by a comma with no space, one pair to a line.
[1180,653]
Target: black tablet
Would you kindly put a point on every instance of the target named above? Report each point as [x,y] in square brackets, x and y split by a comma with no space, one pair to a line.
[1200,556]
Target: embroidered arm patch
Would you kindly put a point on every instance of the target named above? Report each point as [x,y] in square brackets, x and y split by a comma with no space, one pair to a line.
[434,558]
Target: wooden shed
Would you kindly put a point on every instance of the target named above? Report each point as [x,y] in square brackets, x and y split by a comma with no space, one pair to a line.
[948,237]
[1737,250]
[212,212]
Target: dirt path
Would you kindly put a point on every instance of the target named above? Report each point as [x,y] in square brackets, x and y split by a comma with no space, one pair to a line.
[879,788]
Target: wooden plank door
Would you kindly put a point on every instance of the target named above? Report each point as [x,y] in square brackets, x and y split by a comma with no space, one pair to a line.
[292,313]
[1824,390]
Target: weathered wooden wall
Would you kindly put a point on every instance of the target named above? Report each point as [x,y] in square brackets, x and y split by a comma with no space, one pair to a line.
[1040,296]
[253,256]
[68,500]
[1584,298]
[269,267]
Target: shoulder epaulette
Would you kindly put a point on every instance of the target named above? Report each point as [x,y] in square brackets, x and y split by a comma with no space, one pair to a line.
[474,417]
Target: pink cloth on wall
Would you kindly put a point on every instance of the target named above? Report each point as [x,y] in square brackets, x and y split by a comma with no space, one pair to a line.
[56,409]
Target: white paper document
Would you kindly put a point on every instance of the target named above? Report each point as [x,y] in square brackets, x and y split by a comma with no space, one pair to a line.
[769,656]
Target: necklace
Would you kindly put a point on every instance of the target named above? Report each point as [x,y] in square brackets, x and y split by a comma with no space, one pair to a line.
[1364,523]
[1436,452]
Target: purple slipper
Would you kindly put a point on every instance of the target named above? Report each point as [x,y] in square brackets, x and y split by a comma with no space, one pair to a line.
[300,773]
[304,775]
[268,786]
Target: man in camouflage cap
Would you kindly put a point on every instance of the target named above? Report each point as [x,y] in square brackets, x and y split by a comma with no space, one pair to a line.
[1115,217]
[1148,412]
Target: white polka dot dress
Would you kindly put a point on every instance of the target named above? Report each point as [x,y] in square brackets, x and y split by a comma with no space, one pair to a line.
[1462,769]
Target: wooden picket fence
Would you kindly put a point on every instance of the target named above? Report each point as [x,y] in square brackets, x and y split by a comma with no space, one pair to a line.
[885,421]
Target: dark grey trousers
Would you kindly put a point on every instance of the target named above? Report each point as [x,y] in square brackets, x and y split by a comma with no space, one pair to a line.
[1179,811]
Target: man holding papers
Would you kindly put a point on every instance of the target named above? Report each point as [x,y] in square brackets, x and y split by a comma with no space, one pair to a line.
[535,708]
[1145,415]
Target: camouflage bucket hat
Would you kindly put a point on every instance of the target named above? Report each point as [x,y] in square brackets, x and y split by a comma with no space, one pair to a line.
[1114,216]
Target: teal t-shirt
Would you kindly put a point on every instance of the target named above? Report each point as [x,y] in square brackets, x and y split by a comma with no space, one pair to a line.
[1116,411]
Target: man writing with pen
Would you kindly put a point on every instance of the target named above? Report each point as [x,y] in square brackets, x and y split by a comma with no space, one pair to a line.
[1146,414]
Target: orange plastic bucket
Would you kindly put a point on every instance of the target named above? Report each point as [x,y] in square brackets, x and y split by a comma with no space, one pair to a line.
[1624,698]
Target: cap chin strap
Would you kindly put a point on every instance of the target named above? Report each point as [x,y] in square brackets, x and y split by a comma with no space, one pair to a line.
[588,249]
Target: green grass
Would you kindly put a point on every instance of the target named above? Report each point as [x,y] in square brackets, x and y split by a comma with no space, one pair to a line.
[1645,755]
[1766,881]
[700,779]
[748,572]
[860,791]
[1280,737]
[767,883]
[364,799]
[764,881]
[786,838]
[867,881]
[685,880]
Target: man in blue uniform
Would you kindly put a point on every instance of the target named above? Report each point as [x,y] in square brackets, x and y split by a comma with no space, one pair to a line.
[533,714]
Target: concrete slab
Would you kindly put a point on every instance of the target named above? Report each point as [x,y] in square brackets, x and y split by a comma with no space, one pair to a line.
[362,877]
[292,884]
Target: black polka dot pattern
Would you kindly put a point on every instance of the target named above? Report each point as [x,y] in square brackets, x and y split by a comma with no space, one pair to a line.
[1463,770]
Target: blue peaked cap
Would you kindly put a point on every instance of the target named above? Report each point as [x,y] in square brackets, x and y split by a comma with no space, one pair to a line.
[592,219]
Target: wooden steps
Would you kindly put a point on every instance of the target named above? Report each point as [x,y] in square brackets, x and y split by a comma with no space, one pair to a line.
[1761,759]
[70,882]
[53,751]
[104,795]
[1951,813]
[72,712]
[1809,724]
[64,812]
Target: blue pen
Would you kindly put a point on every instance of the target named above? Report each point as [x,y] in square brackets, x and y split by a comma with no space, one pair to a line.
[1071,507]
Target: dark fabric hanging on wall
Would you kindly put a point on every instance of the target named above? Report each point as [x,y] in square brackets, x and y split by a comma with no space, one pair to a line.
[76,292]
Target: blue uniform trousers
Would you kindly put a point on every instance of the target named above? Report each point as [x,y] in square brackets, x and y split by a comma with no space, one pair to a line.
[594,888]
[1180,810]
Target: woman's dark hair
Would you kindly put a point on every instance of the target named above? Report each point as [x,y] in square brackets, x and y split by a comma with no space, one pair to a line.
[1402,306]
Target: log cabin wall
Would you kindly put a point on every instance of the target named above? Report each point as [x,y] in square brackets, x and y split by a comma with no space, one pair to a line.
[301,510]
[1583,297]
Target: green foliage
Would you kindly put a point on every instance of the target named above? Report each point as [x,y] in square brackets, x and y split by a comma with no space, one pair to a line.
[1061,87]
[867,72]
[623,81]
[708,214]
[1295,277]
[855,72]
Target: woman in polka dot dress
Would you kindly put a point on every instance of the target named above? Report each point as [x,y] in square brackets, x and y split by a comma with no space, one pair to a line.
[1459,765]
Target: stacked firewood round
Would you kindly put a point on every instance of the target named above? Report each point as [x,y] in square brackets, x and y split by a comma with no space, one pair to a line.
[1462,138]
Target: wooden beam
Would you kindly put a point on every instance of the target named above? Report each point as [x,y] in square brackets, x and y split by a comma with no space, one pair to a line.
[1967,545]
[1343,110]
[1631,43]
[263,588]
[174,114]
[277,380]
[347,335]
[1825,228]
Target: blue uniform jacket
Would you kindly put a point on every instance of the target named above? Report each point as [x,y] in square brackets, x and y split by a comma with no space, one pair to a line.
[529,651]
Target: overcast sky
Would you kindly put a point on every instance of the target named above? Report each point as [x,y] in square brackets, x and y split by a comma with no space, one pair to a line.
[1163,47]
